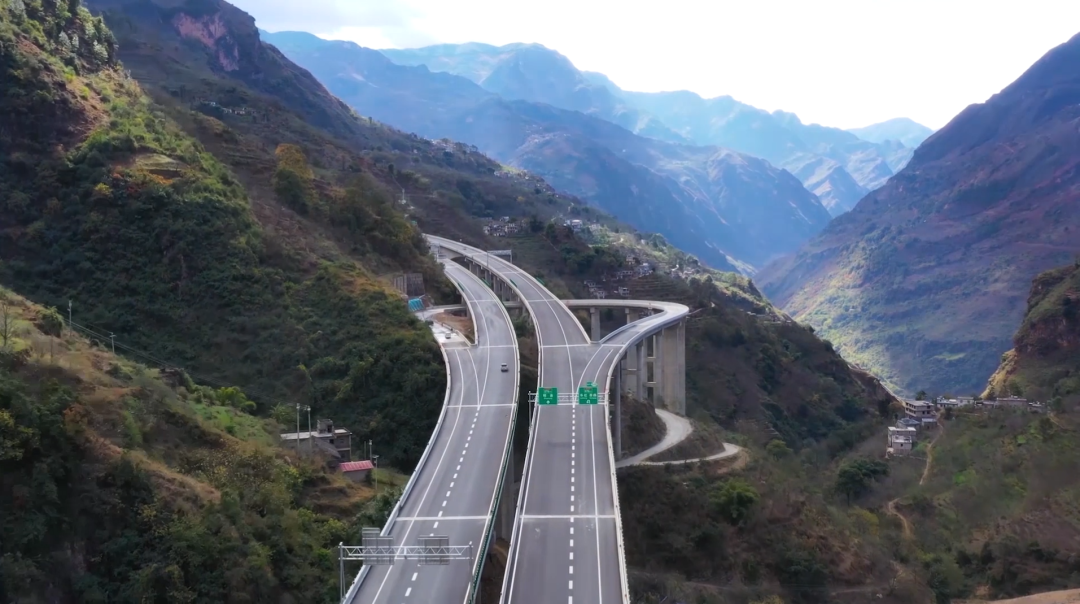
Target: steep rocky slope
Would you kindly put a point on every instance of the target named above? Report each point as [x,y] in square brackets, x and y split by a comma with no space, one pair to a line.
[1044,363]
[925,281]
[733,211]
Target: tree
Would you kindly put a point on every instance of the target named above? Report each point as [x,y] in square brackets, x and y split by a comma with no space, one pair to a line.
[778,449]
[855,477]
[232,396]
[920,395]
[7,324]
[734,500]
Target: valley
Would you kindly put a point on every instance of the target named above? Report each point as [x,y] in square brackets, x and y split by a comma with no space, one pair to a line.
[209,230]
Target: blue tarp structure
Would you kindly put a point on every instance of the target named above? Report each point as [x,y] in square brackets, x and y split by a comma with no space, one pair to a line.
[416,305]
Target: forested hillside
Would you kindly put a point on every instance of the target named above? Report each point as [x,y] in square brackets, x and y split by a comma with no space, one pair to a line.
[121,483]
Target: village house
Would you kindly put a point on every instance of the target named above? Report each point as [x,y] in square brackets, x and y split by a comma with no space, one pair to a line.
[907,422]
[901,441]
[335,442]
[356,471]
[923,411]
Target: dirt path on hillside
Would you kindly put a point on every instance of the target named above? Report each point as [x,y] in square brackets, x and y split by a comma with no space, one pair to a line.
[891,508]
[930,452]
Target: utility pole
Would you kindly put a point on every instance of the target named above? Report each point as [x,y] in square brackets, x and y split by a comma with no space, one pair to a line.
[310,444]
[298,430]
[369,449]
[69,316]
[375,472]
[112,339]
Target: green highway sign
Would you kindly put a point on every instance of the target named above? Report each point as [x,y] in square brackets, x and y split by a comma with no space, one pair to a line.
[547,396]
[588,395]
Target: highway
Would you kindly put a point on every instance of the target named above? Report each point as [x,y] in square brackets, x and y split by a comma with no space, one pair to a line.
[453,491]
[567,541]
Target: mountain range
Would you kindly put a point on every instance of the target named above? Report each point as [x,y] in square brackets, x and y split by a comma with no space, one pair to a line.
[925,281]
[734,211]
[838,166]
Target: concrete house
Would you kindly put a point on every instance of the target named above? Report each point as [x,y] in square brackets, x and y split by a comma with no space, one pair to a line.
[923,411]
[356,471]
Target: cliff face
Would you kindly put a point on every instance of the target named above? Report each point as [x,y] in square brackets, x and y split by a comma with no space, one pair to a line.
[1045,360]
[925,281]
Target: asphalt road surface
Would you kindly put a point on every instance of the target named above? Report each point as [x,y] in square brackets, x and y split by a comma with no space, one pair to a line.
[567,543]
[455,489]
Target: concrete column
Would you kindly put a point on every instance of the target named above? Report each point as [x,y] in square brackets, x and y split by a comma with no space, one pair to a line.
[630,368]
[680,376]
[657,376]
[639,381]
[594,316]
[632,315]
[617,428]
[669,368]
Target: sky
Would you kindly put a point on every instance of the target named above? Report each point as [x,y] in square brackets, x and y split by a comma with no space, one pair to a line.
[841,63]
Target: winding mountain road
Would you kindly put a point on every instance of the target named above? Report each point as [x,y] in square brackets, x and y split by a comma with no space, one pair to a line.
[454,490]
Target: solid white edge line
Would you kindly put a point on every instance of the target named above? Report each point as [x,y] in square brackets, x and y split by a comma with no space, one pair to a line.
[478,565]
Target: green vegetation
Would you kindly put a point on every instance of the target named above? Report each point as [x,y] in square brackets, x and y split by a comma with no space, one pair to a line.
[176,262]
[121,486]
[856,477]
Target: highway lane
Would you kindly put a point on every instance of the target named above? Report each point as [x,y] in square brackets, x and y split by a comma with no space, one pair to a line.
[455,489]
[567,545]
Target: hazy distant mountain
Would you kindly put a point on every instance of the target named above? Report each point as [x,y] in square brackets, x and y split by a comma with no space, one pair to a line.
[534,73]
[906,131]
[925,281]
[733,211]
[531,72]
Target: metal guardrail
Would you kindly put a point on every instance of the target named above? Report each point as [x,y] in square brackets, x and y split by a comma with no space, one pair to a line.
[355,587]
[620,543]
[478,569]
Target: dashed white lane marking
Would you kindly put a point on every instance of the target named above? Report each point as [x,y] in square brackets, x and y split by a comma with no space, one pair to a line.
[444,504]
[436,525]
[571,584]
[571,557]
[569,517]
[448,493]
[414,576]
[461,460]
[407,592]
[440,517]
[571,569]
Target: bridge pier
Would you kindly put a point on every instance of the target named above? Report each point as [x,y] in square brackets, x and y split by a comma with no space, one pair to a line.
[594,317]
[655,377]
[672,365]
